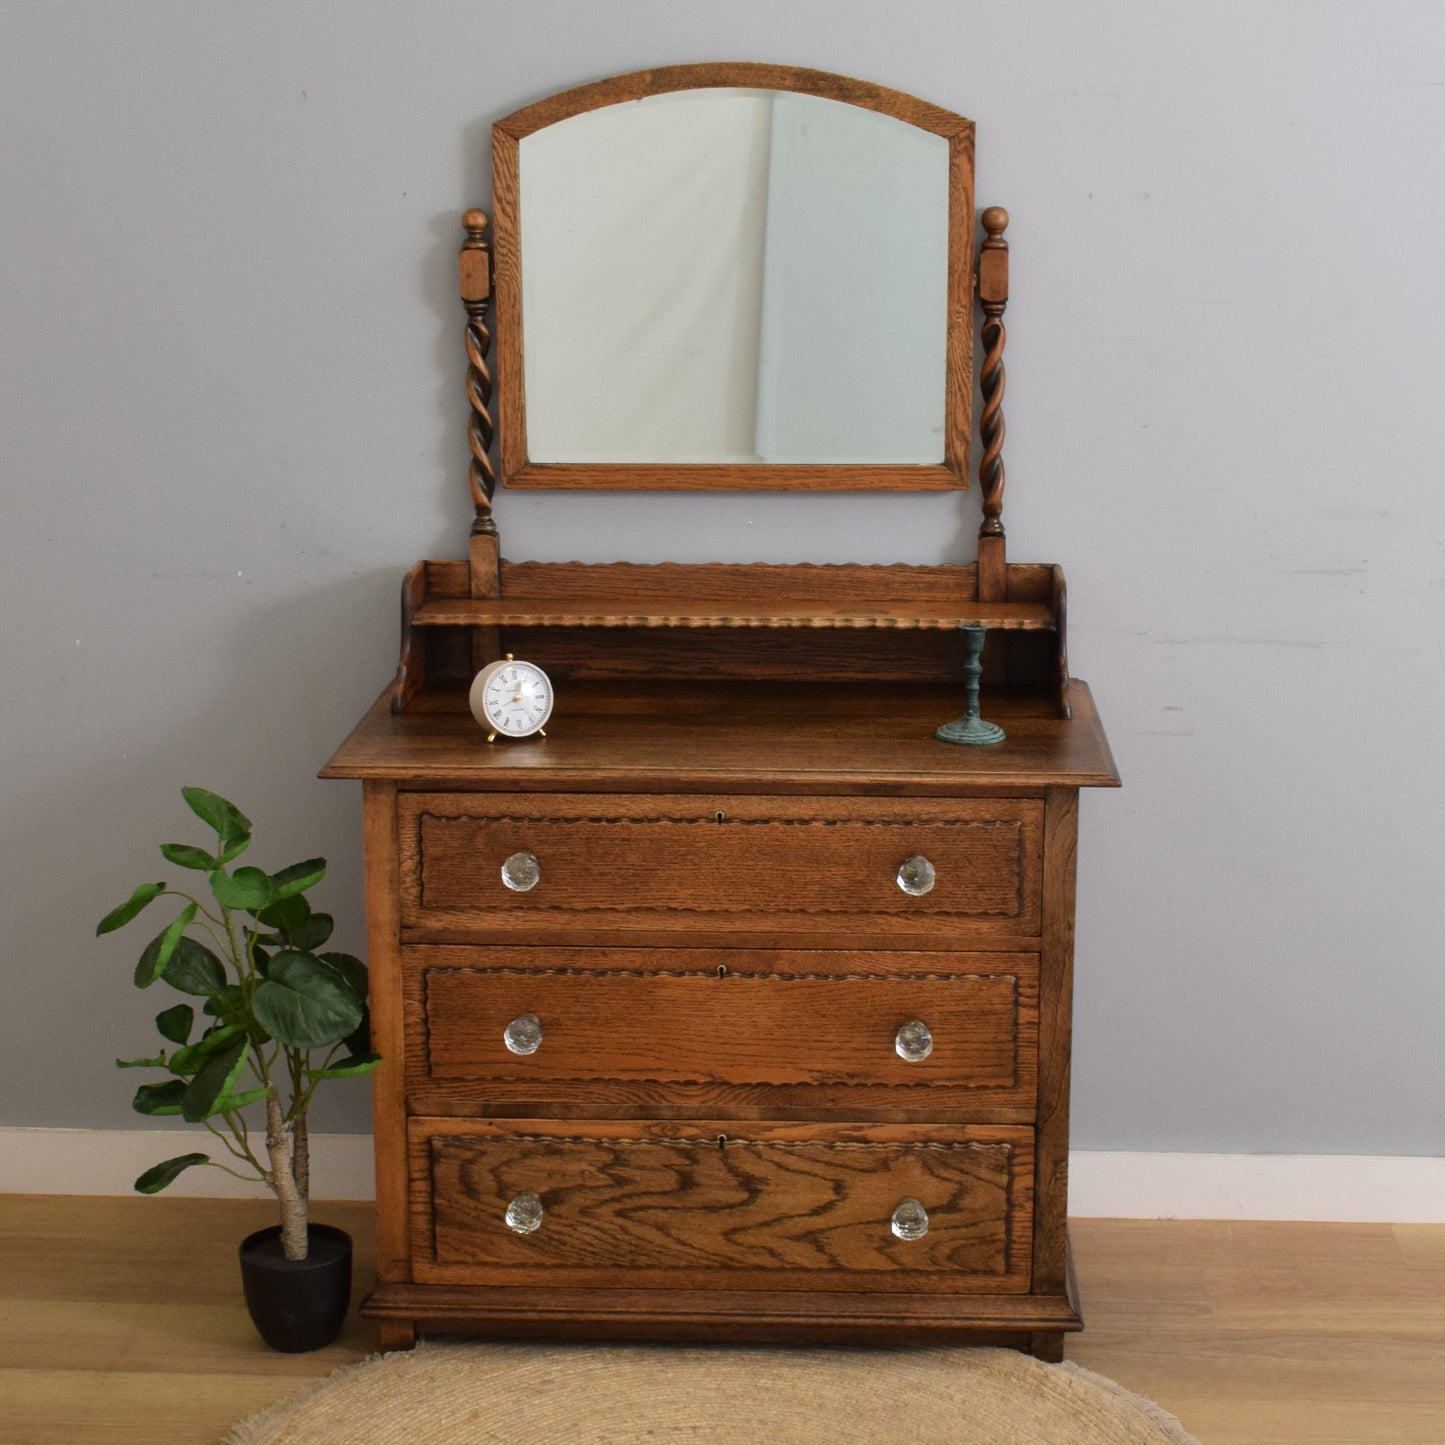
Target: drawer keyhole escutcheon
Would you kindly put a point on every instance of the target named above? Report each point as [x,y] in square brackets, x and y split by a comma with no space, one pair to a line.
[522,872]
[910,1220]
[524,1034]
[524,1213]
[913,1042]
[916,875]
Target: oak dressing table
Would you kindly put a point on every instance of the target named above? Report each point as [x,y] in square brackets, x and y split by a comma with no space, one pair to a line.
[767,1035]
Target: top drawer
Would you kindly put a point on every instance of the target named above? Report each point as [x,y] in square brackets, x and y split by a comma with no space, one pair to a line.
[725,866]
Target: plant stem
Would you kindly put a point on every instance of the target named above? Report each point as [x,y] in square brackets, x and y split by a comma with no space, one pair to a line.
[239,1145]
[302,1165]
[200,907]
[296,1117]
[281,1145]
[226,1169]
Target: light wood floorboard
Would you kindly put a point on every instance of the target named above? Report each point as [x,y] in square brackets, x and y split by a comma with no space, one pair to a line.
[121,1323]
[1271,1333]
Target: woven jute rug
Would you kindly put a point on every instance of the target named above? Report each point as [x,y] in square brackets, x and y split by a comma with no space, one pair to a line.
[525,1394]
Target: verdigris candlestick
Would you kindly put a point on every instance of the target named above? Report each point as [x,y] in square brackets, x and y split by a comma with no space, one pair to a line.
[971,730]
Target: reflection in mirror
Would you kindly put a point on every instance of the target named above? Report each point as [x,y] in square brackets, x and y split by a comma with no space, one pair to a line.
[734,276]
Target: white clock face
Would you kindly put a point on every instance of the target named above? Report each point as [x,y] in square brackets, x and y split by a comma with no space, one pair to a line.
[512,699]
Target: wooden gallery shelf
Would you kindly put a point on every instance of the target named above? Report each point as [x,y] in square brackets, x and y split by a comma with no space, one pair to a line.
[834,623]
[759,611]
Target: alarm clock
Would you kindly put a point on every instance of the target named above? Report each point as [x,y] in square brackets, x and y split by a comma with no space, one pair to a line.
[511,699]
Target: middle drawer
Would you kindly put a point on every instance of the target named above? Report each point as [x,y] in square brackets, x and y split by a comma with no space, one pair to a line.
[675,1028]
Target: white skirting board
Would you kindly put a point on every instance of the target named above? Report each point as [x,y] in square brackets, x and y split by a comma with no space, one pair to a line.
[1102,1184]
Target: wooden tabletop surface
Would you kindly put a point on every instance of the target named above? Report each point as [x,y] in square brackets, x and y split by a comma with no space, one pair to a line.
[746,736]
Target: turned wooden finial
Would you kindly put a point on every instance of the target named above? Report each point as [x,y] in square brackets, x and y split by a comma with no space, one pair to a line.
[474,273]
[993,263]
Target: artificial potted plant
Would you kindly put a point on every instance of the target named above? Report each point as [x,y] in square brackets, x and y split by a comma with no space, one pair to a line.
[279,1018]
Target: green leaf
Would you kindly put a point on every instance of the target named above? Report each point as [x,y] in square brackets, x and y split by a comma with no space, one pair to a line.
[297,878]
[184,856]
[229,1006]
[215,1081]
[225,1002]
[159,1175]
[247,888]
[352,969]
[226,818]
[190,1059]
[194,968]
[159,1098]
[313,933]
[347,1068]
[231,1103]
[119,917]
[160,951]
[159,1062]
[235,848]
[304,1002]
[175,1023]
[285,913]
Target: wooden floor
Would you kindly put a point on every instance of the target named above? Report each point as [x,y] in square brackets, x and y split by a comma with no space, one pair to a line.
[121,1324]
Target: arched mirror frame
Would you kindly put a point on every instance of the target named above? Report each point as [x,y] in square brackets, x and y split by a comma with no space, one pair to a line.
[518,471]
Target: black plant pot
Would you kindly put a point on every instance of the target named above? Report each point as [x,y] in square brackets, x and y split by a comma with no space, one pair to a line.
[297,1305]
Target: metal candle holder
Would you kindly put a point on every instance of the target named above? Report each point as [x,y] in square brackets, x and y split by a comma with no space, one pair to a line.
[971,730]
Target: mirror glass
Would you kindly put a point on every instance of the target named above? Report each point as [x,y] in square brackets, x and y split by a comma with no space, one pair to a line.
[734,276]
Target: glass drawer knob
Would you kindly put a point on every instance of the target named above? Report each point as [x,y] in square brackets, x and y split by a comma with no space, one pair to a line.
[910,1220]
[912,1042]
[524,1034]
[916,875]
[521,872]
[524,1213]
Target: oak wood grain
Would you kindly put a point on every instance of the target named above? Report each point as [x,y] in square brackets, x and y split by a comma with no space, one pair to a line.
[764,1205]
[882,1317]
[682,736]
[388,1028]
[658,862]
[411,666]
[829,622]
[744,612]
[780,1029]
[1051,1183]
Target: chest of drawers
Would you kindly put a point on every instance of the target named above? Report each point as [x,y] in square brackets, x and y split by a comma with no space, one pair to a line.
[704,1019]
[738,1007]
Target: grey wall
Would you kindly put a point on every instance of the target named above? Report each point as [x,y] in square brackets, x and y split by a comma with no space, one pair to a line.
[232,414]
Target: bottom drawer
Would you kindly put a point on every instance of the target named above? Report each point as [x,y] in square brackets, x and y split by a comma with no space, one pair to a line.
[690,1205]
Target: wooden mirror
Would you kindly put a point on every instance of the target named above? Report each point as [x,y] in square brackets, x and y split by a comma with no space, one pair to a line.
[734,276]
